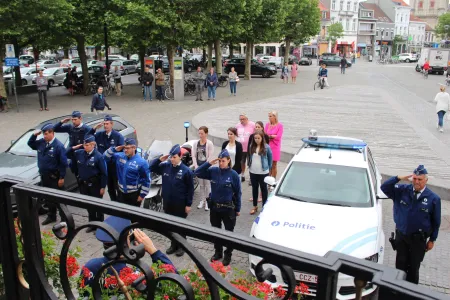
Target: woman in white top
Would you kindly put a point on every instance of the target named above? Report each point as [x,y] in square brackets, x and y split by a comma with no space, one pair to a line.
[234,149]
[202,151]
[442,100]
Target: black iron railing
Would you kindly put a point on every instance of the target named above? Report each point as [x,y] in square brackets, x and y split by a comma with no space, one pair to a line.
[390,281]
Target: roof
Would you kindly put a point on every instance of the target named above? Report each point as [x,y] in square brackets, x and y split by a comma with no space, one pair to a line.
[413,18]
[377,11]
[322,6]
[428,28]
[400,3]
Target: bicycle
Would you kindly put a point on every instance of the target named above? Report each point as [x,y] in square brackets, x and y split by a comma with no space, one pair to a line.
[320,83]
[169,93]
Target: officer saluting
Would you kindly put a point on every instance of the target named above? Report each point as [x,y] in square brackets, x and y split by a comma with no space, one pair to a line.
[52,163]
[177,188]
[132,171]
[90,166]
[77,130]
[225,198]
[417,216]
[105,140]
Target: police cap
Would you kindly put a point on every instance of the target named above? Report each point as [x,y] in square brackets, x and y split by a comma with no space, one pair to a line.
[130,141]
[420,170]
[76,114]
[176,150]
[107,118]
[46,127]
[224,153]
[89,139]
[118,224]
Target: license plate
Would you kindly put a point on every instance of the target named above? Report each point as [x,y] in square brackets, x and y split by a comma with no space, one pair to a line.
[305,277]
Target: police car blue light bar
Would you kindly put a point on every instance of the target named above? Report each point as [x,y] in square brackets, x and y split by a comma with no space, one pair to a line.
[334,142]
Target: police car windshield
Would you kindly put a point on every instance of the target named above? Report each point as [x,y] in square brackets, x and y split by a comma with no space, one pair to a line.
[326,184]
[20,147]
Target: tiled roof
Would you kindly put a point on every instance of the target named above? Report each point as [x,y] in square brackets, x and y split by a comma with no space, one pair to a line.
[322,6]
[378,13]
[428,28]
[413,18]
[400,3]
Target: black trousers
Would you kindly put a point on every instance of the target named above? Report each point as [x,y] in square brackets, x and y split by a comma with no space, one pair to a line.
[342,70]
[410,253]
[42,93]
[177,211]
[92,189]
[228,218]
[112,182]
[257,181]
[159,92]
[129,198]
[50,181]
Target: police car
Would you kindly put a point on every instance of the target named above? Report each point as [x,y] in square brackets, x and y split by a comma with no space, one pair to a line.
[326,200]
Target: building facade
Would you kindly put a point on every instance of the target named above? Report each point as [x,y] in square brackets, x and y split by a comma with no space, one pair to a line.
[367,25]
[416,36]
[429,10]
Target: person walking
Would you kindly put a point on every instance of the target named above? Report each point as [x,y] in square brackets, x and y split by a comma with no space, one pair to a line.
[343,64]
[117,76]
[442,100]
[199,80]
[202,152]
[99,102]
[160,83]
[285,73]
[234,79]
[234,148]
[177,188]
[147,81]
[68,80]
[274,130]
[417,217]
[42,86]
[225,200]
[294,70]
[245,128]
[52,163]
[259,165]
[212,81]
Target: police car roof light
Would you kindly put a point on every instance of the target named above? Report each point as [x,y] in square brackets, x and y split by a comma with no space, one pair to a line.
[335,142]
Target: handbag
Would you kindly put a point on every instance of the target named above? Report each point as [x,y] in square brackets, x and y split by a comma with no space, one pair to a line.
[237,79]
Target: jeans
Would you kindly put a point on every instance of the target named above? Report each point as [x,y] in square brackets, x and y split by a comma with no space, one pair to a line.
[147,91]
[198,91]
[159,92]
[257,181]
[211,92]
[441,115]
[342,70]
[40,92]
[233,87]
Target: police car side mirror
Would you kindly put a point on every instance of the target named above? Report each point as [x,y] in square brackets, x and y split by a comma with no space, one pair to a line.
[270,180]
[381,195]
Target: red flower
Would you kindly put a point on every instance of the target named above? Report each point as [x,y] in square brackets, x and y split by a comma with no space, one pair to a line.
[219,267]
[82,285]
[110,281]
[302,288]
[168,268]
[72,266]
[280,292]
[86,272]
[166,297]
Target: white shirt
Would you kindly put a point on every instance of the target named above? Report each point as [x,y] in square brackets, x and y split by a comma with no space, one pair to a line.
[442,100]
[109,134]
[79,126]
[49,143]
[256,166]
[418,195]
[232,152]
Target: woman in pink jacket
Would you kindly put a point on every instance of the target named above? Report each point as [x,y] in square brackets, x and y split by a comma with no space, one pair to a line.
[274,130]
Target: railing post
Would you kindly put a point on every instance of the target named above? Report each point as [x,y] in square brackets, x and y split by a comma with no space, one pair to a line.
[326,286]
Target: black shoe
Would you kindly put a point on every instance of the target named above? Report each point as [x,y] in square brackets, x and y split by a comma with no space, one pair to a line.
[48,221]
[172,249]
[226,260]
[242,179]
[216,256]
[90,229]
[179,252]
[201,99]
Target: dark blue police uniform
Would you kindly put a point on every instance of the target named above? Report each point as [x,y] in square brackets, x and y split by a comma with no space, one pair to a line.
[76,134]
[92,174]
[225,200]
[52,164]
[417,216]
[104,142]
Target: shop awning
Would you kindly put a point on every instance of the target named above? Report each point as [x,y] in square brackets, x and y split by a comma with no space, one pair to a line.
[361,45]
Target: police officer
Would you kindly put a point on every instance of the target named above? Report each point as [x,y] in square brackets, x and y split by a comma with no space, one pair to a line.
[52,163]
[90,166]
[225,198]
[177,188]
[77,130]
[106,139]
[417,216]
[132,171]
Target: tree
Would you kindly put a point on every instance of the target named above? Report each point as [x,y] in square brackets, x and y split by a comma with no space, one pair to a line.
[440,27]
[335,31]
[397,40]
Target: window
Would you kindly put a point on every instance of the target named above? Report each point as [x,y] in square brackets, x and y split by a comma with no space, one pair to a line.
[324,15]
[420,4]
[356,6]
[387,33]
[347,24]
[431,4]
[119,126]
[354,25]
[342,6]
[378,32]
[340,20]
[333,5]
[348,6]
[392,34]
[401,18]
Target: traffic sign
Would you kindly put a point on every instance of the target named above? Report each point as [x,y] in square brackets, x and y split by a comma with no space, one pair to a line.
[10,50]
[11,62]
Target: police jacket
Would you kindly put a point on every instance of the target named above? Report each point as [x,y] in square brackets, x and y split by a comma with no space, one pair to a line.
[89,166]
[225,184]
[414,215]
[98,102]
[132,172]
[323,72]
[51,159]
[76,134]
[177,182]
[104,142]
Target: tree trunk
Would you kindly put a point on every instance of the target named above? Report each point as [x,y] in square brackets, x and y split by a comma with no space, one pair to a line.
[204,56]
[2,81]
[82,54]
[248,61]
[142,59]
[66,52]
[230,46]
[210,47]
[97,50]
[287,49]
[218,50]
[17,76]
[171,67]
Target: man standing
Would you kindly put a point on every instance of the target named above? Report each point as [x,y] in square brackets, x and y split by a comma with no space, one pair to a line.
[159,85]
[77,130]
[52,163]
[343,64]
[117,76]
[245,129]
[42,86]
[147,81]
[177,188]
[132,171]
[99,101]
[105,140]
[417,216]
[90,166]
[199,79]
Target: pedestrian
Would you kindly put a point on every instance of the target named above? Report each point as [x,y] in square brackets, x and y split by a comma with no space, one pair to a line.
[132,171]
[68,81]
[77,130]
[274,130]
[42,86]
[353,57]
[92,172]
[442,100]
[343,64]
[417,217]
[147,81]
[99,102]
[294,70]
[177,188]
[285,73]
[117,76]
[199,79]
[160,83]
[52,163]
[323,74]
[225,199]
[211,81]
[74,79]
[105,139]
[234,148]
[234,79]
[245,128]
[3,104]
[259,165]
[202,152]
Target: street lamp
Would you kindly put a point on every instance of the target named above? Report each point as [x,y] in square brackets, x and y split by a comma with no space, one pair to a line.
[381,44]
[187,124]
[446,27]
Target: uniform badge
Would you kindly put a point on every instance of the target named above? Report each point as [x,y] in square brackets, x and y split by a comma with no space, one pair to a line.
[112,142]
[92,158]
[425,201]
[123,161]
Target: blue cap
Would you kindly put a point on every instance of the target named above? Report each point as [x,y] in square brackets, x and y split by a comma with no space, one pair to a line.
[76,114]
[89,139]
[420,170]
[224,153]
[176,150]
[117,223]
[130,141]
[107,118]
[46,127]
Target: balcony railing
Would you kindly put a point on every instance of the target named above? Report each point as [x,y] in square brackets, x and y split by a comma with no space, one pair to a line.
[367,32]
[348,13]
[326,268]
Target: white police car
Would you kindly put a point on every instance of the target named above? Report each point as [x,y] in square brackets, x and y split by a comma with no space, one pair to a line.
[326,200]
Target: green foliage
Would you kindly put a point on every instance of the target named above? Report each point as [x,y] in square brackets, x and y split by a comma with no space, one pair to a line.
[335,31]
[440,27]
[397,40]
[302,20]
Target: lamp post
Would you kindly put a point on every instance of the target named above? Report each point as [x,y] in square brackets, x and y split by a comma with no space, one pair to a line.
[105,32]
[187,124]
[446,27]
[381,44]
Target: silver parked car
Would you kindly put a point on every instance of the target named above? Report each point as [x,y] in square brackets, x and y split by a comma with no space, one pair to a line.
[27,75]
[45,63]
[54,76]
[125,66]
